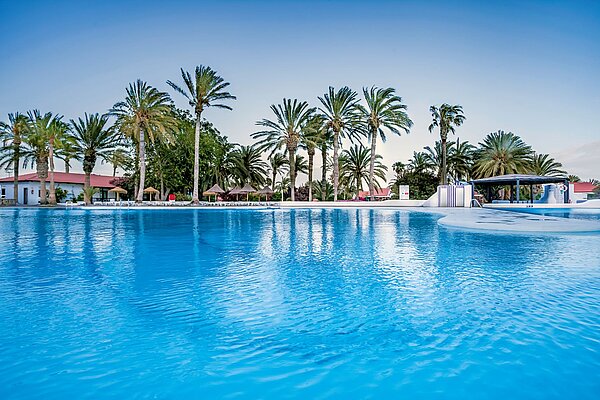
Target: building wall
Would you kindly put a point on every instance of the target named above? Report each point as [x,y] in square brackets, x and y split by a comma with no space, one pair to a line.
[33,190]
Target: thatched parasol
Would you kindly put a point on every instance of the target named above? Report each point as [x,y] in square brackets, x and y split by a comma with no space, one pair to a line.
[236,191]
[151,191]
[119,191]
[247,189]
[214,191]
[266,191]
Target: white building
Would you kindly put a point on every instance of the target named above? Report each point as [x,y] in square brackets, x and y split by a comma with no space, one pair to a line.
[30,188]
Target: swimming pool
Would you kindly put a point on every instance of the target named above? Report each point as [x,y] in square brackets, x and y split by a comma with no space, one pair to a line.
[291,304]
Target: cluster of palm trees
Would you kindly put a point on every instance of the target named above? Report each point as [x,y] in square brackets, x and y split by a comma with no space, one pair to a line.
[340,115]
[499,153]
[36,140]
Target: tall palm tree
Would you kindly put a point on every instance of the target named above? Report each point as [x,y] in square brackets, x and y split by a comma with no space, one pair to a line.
[502,153]
[420,162]
[56,135]
[544,165]
[384,110]
[145,111]
[326,141]
[248,166]
[204,89]
[11,136]
[312,135]
[93,139]
[445,117]
[461,160]
[68,152]
[355,164]
[279,165]
[37,153]
[342,116]
[284,131]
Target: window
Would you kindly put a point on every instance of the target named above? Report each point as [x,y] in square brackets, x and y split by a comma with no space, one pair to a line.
[3,193]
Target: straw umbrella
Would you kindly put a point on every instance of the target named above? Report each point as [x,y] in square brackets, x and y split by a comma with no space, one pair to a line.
[266,191]
[236,191]
[119,191]
[215,190]
[247,189]
[151,191]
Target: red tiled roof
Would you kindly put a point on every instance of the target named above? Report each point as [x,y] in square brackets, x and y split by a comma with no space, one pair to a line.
[583,187]
[383,192]
[99,181]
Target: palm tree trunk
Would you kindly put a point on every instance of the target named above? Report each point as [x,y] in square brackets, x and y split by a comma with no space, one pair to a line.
[114,170]
[67,165]
[195,199]
[274,177]
[42,173]
[444,177]
[86,188]
[16,177]
[311,155]
[292,160]
[324,173]
[52,196]
[372,164]
[336,166]
[140,194]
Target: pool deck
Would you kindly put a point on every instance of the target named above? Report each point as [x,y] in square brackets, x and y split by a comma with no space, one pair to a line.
[483,219]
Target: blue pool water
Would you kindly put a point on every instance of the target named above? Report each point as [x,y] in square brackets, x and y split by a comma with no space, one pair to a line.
[291,304]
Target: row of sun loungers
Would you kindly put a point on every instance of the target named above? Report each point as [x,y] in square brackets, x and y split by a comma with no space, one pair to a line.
[131,203]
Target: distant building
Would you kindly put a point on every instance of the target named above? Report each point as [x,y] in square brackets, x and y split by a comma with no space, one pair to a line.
[581,191]
[30,188]
[380,194]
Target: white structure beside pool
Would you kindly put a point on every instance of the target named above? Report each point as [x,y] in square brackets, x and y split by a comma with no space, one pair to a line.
[30,187]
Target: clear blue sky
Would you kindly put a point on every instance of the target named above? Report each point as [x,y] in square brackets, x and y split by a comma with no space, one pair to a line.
[527,67]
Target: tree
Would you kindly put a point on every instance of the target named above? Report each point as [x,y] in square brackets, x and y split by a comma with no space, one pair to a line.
[205,89]
[57,133]
[68,152]
[502,153]
[354,164]
[384,110]
[445,117]
[574,178]
[420,162]
[145,111]
[248,166]
[284,131]
[313,133]
[93,139]
[37,152]
[117,158]
[279,165]
[342,116]
[544,165]
[11,135]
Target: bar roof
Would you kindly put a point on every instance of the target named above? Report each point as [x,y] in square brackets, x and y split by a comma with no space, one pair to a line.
[522,178]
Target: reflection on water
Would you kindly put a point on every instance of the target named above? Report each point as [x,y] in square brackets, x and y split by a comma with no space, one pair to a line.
[291,303]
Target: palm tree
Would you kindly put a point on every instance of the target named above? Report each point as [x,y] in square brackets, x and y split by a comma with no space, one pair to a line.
[68,152]
[285,131]
[544,165]
[248,166]
[342,116]
[37,152]
[301,166]
[11,135]
[312,134]
[279,165]
[420,162]
[502,153]
[574,178]
[446,118]
[93,139]
[461,160]
[57,133]
[384,110]
[325,141]
[355,167]
[145,111]
[205,89]
[117,158]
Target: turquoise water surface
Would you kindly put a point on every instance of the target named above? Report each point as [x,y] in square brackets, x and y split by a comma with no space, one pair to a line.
[278,304]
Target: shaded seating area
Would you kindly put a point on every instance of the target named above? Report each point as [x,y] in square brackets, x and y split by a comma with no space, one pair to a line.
[515,182]
[215,190]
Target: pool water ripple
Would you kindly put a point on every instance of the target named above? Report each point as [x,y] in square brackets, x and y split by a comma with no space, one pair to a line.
[291,304]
